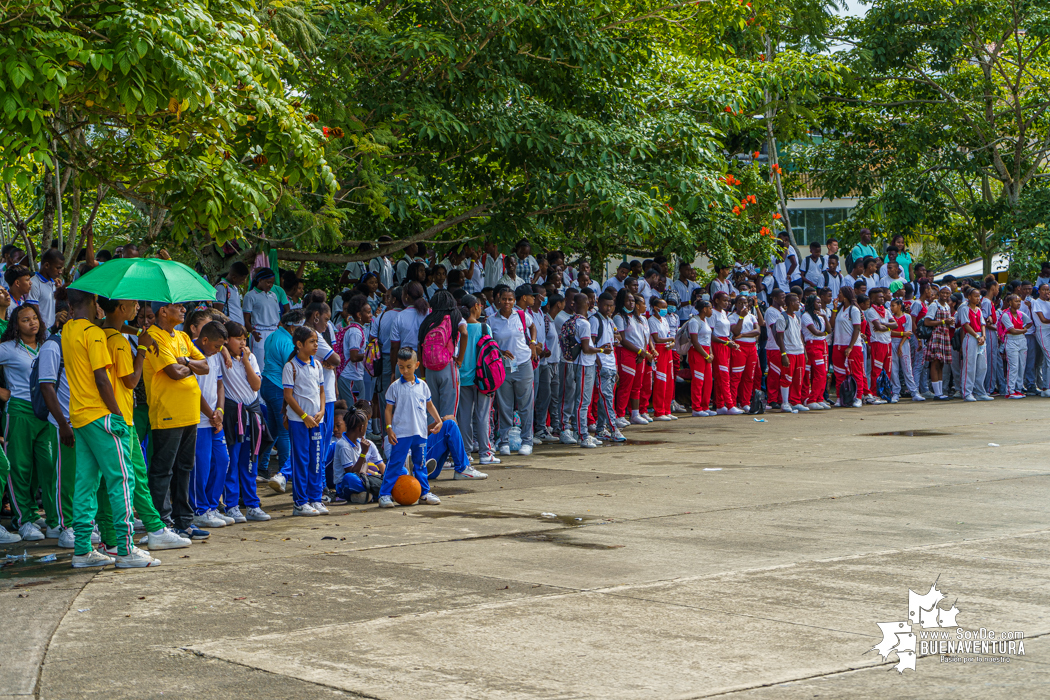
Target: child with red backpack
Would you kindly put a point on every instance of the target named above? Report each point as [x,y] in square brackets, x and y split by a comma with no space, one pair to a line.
[475,403]
[439,334]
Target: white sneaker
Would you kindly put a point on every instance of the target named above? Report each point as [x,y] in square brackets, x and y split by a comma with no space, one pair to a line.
[206,520]
[236,515]
[646,417]
[617,436]
[319,507]
[638,420]
[710,413]
[918,397]
[673,416]
[304,510]
[969,397]
[663,418]
[277,482]
[504,450]
[489,459]
[8,537]
[30,533]
[257,515]
[857,403]
[386,502]
[525,450]
[734,411]
[622,422]
[92,558]
[429,499]
[677,407]
[566,438]
[825,405]
[470,473]
[799,408]
[136,559]
[895,399]
[138,525]
[814,406]
[166,539]
[52,533]
[95,537]
[722,411]
[700,414]
[746,409]
[985,397]
[67,538]
[222,516]
[786,408]
[588,443]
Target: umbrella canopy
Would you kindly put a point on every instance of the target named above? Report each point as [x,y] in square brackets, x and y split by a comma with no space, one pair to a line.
[147,279]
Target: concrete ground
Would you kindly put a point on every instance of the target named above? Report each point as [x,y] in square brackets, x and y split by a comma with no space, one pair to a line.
[710,557]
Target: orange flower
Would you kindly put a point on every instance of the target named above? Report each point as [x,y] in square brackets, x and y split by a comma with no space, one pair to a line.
[752,198]
[736,210]
[756,154]
[777,215]
[729,109]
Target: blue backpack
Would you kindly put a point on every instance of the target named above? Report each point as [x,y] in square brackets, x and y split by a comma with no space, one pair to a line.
[36,397]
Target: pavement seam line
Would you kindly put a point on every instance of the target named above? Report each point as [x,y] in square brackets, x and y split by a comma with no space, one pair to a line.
[50,637]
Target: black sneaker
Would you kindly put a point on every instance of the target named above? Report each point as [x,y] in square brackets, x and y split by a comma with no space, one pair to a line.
[194,533]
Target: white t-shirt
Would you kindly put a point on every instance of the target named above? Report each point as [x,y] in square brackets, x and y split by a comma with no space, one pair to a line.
[354,339]
[615,285]
[718,285]
[603,333]
[384,269]
[834,283]
[553,344]
[813,270]
[209,384]
[817,322]
[347,453]
[305,379]
[50,370]
[750,323]
[539,320]
[633,331]
[882,315]
[235,381]
[264,307]
[790,325]
[410,407]
[719,323]
[659,328]
[1040,306]
[847,318]
[685,295]
[324,351]
[230,298]
[701,330]
[511,335]
[42,291]
[406,327]
[583,330]
[772,316]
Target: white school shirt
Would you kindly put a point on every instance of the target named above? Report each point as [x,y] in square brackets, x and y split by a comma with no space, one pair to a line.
[17,361]
[230,297]
[264,307]
[235,381]
[553,344]
[353,339]
[209,384]
[473,277]
[645,290]
[561,318]
[603,333]
[1040,306]
[50,370]
[493,267]
[834,283]
[406,327]
[909,325]
[847,318]
[347,453]
[511,335]
[872,282]
[384,270]
[305,379]
[402,267]
[42,292]
[538,320]
[887,280]
[685,295]
[772,316]
[848,281]
[873,314]
[409,400]
[383,328]
[719,323]
[633,331]
[813,270]
[583,331]
[324,351]
[1026,309]
[790,325]
[659,327]
[357,269]
[701,330]
[750,323]
[615,285]
[818,322]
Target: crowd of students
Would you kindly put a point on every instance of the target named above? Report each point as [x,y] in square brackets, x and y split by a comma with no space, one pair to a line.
[125,415]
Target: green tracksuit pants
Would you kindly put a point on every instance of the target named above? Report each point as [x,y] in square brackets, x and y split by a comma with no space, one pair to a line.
[29,452]
[102,452]
[142,500]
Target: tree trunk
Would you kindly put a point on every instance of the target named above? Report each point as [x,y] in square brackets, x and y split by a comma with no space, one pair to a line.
[774,158]
[47,222]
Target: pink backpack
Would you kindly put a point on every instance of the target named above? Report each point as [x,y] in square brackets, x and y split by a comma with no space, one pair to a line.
[438,345]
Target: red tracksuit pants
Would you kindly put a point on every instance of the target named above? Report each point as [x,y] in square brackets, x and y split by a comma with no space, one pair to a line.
[773,369]
[630,384]
[646,389]
[817,361]
[700,388]
[854,365]
[663,382]
[743,379]
[723,396]
[791,378]
[880,363]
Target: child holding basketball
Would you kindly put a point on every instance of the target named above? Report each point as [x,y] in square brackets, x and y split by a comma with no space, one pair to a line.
[407,403]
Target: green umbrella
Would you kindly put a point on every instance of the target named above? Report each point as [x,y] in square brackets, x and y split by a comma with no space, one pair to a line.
[147,279]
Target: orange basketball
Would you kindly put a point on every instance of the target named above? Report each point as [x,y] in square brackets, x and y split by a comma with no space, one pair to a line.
[406,490]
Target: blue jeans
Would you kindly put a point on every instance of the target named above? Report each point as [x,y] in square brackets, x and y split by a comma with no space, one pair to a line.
[273,395]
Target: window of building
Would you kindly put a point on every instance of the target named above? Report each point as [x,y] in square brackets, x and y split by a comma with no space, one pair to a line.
[818,225]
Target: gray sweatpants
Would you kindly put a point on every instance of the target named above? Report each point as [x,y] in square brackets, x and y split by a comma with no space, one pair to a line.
[473,419]
[544,375]
[1033,357]
[606,406]
[901,364]
[515,396]
[974,367]
[444,388]
[1016,356]
[582,381]
[996,379]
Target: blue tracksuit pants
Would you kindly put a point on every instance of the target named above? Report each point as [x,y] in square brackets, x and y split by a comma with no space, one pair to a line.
[395,467]
[307,462]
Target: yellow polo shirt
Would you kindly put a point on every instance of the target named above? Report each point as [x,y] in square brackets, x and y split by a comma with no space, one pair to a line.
[84,350]
[123,365]
[172,403]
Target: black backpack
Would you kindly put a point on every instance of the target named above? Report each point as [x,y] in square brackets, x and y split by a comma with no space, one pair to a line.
[847,391]
[36,397]
[758,403]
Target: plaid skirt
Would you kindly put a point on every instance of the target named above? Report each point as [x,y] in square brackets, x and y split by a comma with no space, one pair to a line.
[939,346]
